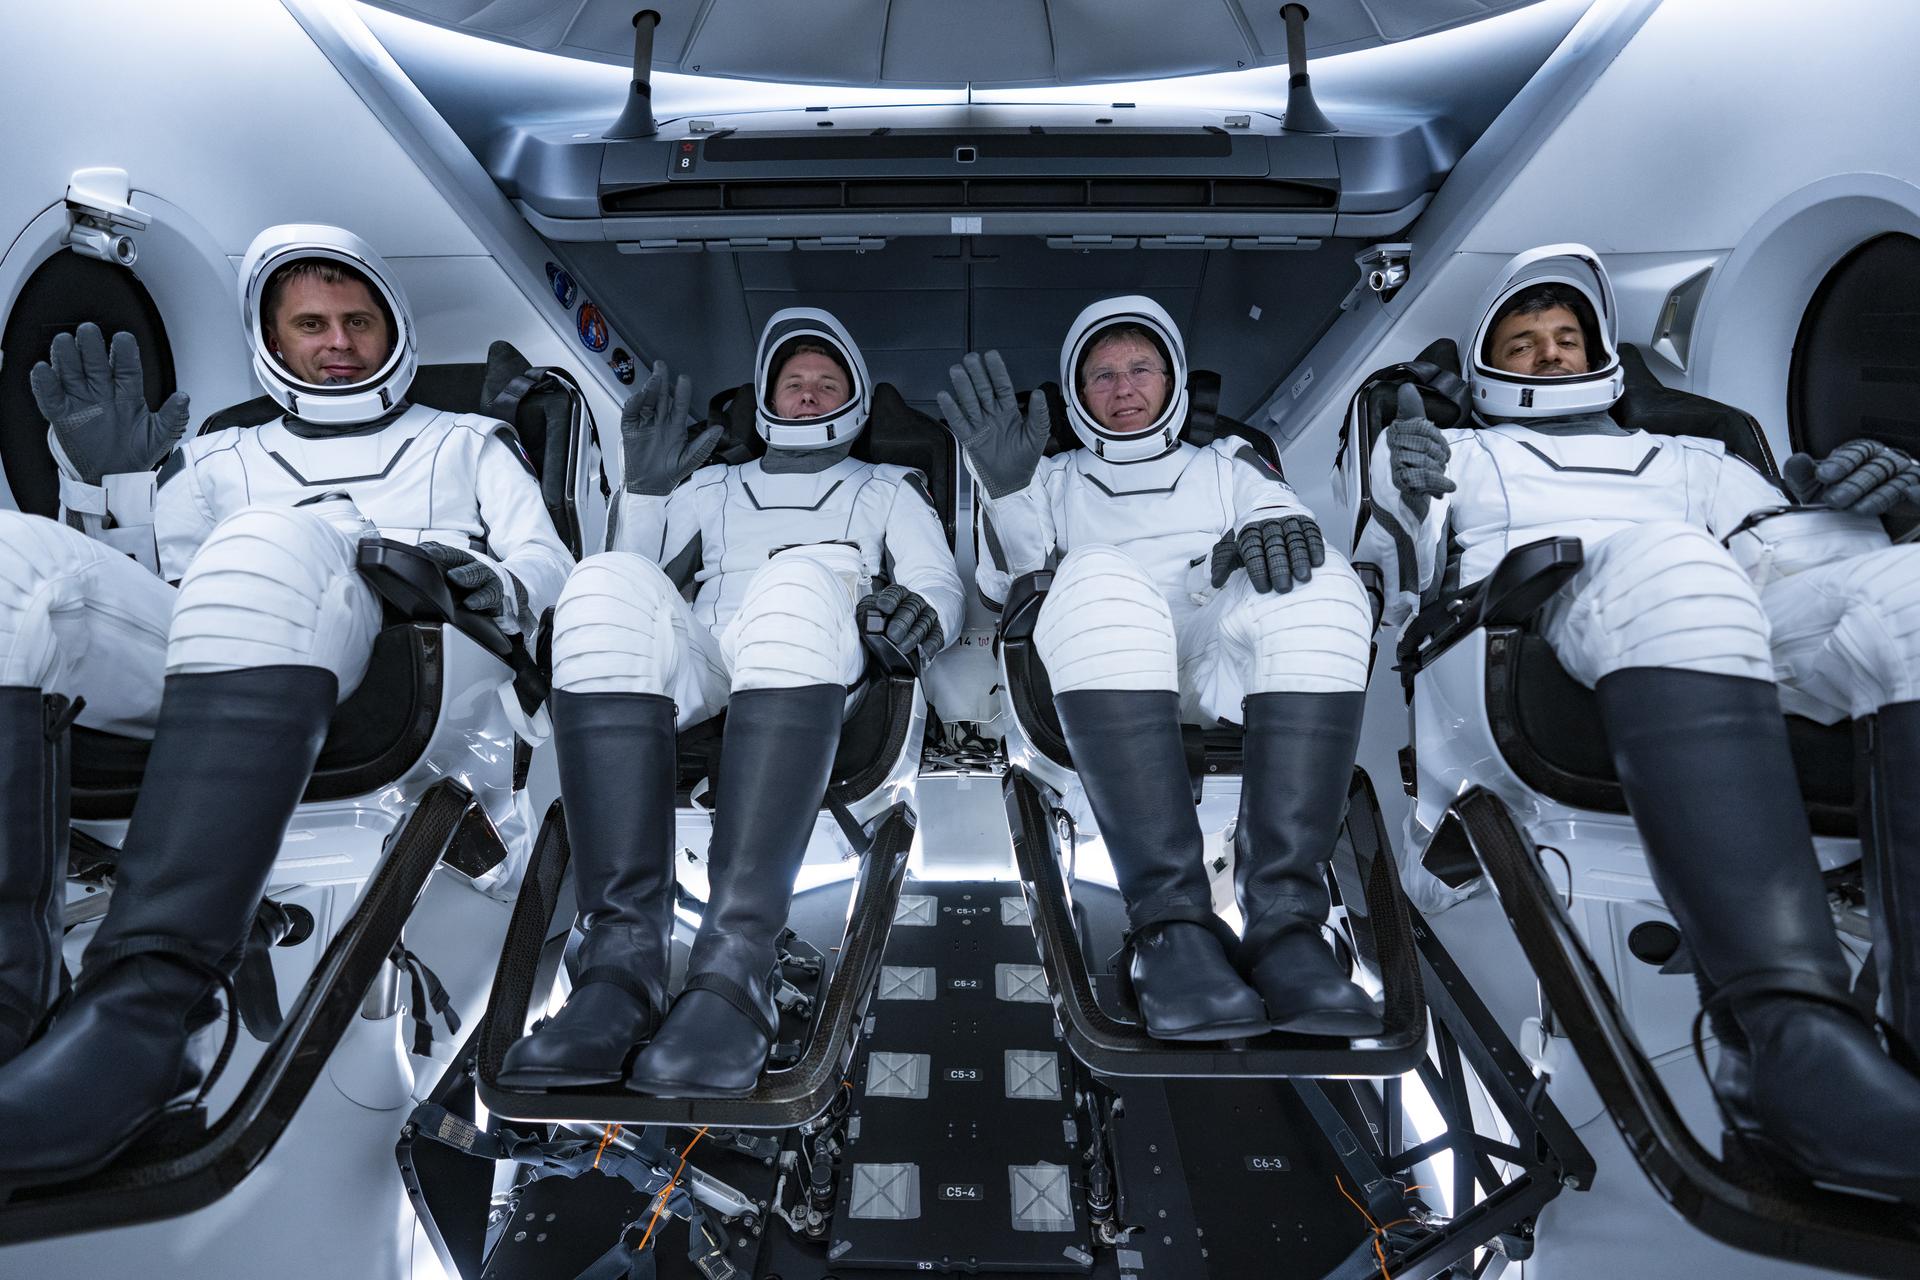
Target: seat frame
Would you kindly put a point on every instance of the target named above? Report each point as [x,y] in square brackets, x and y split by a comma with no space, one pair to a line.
[1496,803]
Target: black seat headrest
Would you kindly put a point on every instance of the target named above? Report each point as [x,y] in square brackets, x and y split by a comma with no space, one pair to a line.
[1647,405]
[1205,423]
[1435,371]
[537,402]
[896,433]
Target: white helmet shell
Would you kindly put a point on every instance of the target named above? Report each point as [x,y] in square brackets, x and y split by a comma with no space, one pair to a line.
[1498,395]
[1164,432]
[325,405]
[802,434]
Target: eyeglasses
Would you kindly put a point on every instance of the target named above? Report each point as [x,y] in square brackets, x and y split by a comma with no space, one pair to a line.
[1107,381]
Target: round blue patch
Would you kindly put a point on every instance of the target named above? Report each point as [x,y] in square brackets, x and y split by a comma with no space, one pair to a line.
[592,327]
[564,289]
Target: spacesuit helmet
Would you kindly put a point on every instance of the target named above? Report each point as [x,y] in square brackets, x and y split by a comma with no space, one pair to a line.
[338,254]
[1568,275]
[1133,315]
[796,329]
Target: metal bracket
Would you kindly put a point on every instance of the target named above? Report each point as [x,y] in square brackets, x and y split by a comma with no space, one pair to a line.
[1384,269]
[101,215]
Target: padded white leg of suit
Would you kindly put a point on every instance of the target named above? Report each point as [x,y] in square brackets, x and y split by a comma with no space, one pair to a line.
[81,619]
[277,586]
[621,626]
[1104,625]
[795,627]
[1663,594]
[1311,639]
[1846,635]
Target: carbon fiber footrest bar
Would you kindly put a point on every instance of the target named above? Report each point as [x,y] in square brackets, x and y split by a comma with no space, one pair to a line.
[785,1097]
[1740,1206]
[146,1185]
[1112,1047]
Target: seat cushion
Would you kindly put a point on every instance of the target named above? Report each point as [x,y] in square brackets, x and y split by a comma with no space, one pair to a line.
[376,735]
[871,740]
[1547,726]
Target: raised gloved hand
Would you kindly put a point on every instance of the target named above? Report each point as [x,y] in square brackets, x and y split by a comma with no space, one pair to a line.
[1862,476]
[911,621]
[95,404]
[1274,553]
[1003,444]
[1418,452]
[482,588]
[656,453]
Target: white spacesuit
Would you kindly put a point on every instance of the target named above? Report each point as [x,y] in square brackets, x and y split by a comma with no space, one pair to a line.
[1147,625]
[1706,604]
[236,673]
[778,555]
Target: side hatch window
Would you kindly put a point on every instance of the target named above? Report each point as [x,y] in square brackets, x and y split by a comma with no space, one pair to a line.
[63,291]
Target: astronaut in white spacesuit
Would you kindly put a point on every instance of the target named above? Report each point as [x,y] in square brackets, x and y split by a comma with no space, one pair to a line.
[783,556]
[1707,603]
[1194,586]
[234,675]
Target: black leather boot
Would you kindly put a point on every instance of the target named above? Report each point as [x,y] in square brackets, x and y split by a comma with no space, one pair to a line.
[125,1060]
[1126,748]
[1803,1083]
[616,773]
[33,859]
[1887,765]
[1296,765]
[775,759]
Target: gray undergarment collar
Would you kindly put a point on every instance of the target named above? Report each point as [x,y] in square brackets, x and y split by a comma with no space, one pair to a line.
[315,431]
[1580,424]
[805,462]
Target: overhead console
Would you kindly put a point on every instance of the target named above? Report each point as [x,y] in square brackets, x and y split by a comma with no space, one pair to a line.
[1088,177]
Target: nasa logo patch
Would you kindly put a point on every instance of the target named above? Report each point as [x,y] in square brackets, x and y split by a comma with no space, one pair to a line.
[592,327]
[564,289]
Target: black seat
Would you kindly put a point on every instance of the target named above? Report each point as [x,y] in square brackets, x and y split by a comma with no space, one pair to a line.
[1546,724]
[381,730]
[1037,749]
[896,433]
[881,718]
[1212,750]
[875,743]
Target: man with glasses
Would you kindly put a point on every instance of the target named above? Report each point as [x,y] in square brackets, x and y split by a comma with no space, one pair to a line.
[1192,586]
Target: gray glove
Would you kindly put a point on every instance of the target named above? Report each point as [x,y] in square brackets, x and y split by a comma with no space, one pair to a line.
[911,621]
[1418,452]
[1003,446]
[96,407]
[1273,552]
[1862,476]
[655,451]
[480,588]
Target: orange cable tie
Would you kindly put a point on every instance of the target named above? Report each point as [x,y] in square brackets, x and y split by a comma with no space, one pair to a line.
[660,1201]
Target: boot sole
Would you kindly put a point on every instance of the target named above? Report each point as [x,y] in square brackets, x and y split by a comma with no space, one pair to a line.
[1211,1031]
[1760,1151]
[527,1078]
[168,1126]
[682,1089]
[1329,1022]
